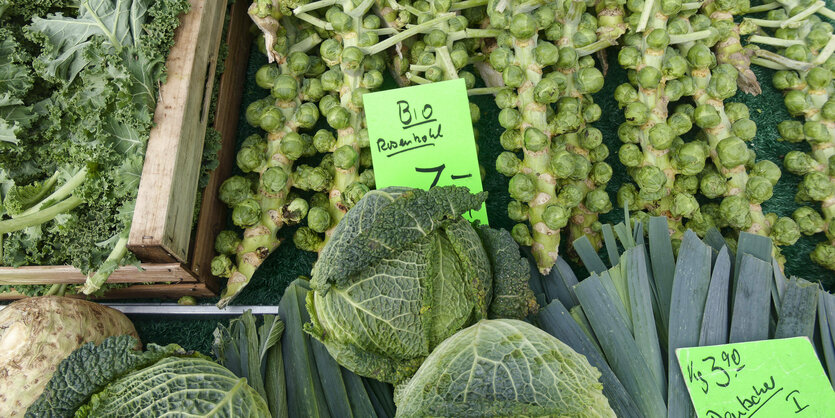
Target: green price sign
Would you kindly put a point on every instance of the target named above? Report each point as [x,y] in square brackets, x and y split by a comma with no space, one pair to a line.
[422,137]
[763,379]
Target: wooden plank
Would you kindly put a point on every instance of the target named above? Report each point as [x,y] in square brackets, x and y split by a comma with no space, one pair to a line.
[212,218]
[162,291]
[172,272]
[162,222]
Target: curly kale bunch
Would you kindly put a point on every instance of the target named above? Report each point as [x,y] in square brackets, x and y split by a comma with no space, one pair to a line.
[75,116]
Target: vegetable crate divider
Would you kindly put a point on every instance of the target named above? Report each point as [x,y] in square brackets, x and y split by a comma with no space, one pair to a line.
[172,263]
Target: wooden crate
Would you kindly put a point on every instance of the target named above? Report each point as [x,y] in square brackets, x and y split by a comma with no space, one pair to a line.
[174,264]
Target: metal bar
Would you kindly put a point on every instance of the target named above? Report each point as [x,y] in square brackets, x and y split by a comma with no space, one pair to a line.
[175,310]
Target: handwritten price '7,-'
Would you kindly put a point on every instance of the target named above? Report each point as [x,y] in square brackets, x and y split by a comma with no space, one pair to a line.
[438,170]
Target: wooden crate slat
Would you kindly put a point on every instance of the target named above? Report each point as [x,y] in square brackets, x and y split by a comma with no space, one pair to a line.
[163,217]
[171,272]
[212,218]
[162,291]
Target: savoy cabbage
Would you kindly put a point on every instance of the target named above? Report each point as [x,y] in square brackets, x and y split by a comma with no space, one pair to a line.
[504,368]
[403,271]
[114,380]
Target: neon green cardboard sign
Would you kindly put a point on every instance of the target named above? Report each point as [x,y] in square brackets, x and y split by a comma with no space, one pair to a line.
[762,379]
[422,137]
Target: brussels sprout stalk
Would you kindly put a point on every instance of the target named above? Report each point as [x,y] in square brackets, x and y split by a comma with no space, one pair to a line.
[521,57]
[582,79]
[805,71]
[726,131]
[729,49]
[262,211]
[353,71]
[652,150]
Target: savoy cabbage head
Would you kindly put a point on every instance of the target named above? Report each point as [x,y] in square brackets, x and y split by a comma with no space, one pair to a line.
[403,271]
[114,380]
[505,368]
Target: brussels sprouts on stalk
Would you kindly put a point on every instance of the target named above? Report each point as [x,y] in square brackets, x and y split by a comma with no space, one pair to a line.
[727,127]
[658,57]
[261,207]
[544,59]
[804,65]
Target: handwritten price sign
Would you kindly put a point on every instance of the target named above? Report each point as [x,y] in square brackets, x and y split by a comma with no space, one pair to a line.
[422,137]
[773,378]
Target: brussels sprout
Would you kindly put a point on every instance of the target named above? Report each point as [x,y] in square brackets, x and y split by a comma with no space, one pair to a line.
[338,118]
[706,116]
[246,213]
[785,231]
[517,211]
[744,129]
[570,196]
[285,88]
[680,123]
[768,170]
[272,120]
[598,201]
[546,53]
[562,164]
[818,186]
[521,234]
[650,178]
[345,157]
[556,216]
[511,139]
[625,94]
[758,189]
[599,153]
[522,187]
[510,118]
[630,155]
[295,211]
[589,80]
[791,130]
[684,205]
[736,211]
[690,158]
[736,111]
[601,173]
[274,179]
[546,91]
[798,162]
[535,140]
[636,113]
[824,254]
[234,190]
[661,136]
[808,220]
[658,39]
[582,167]
[629,57]
[266,75]
[732,152]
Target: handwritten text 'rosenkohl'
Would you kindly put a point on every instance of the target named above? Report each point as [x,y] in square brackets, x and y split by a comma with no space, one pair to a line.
[425,130]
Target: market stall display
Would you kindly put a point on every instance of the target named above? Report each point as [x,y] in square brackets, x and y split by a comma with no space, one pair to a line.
[706,124]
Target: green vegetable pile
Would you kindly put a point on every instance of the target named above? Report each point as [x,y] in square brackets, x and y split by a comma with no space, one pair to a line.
[77,97]
[630,315]
[688,150]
